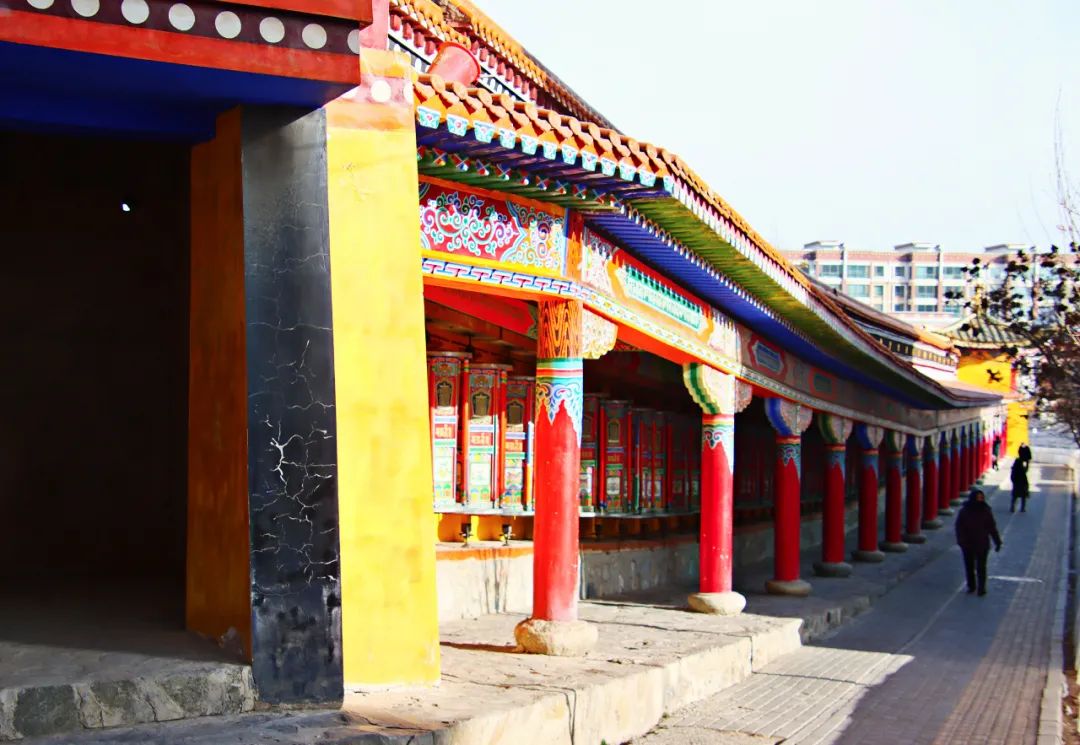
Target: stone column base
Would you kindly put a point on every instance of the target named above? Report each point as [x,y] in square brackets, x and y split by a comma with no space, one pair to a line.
[958,501]
[832,568]
[717,603]
[870,557]
[797,587]
[914,538]
[557,638]
[946,510]
[932,524]
[894,548]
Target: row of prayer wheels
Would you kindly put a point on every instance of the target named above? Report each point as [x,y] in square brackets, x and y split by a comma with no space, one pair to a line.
[634,460]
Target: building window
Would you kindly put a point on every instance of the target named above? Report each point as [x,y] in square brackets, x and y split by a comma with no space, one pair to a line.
[879,271]
[926,291]
[858,271]
[900,272]
[927,308]
[878,307]
[828,270]
[899,307]
[859,290]
[879,291]
[952,272]
[899,291]
[926,272]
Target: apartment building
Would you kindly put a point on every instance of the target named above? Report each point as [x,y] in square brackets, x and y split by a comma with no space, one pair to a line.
[917,282]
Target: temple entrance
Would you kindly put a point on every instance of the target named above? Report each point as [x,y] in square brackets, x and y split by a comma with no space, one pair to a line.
[93,439]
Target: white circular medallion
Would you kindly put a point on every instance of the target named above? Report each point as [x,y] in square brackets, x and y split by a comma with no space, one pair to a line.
[182,17]
[381,92]
[272,30]
[86,8]
[354,41]
[227,24]
[41,4]
[314,36]
[135,11]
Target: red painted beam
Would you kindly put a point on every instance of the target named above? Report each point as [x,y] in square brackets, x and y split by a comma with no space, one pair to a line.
[36,29]
[358,10]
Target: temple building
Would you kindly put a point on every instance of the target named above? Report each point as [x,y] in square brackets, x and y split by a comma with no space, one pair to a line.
[339,319]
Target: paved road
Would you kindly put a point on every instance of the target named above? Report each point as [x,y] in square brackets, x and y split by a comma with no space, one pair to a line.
[928,664]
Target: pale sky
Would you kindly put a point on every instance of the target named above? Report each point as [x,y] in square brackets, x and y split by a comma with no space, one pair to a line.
[875,122]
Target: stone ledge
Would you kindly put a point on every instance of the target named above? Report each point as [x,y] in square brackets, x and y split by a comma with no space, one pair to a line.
[191,691]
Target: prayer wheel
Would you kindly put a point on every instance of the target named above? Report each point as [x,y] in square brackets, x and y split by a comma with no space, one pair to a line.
[616,424]
[517,470]
[444,400]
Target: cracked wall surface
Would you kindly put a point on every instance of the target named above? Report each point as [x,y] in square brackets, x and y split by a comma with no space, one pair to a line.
[291,413]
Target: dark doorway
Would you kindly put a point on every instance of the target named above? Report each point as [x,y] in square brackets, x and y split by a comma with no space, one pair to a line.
[94,297]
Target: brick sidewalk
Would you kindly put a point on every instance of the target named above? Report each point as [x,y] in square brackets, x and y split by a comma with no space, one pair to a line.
[928,664]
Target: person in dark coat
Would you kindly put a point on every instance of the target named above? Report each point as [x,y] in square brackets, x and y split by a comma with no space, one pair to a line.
[975,527]
[997,450]
[1020,487]
[1024,454]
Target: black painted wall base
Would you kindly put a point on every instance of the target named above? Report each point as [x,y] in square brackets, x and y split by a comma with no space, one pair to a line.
[292,455]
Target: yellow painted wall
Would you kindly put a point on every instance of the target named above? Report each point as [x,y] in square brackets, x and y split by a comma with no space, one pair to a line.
[1017,426]
[974,368]
[389,606]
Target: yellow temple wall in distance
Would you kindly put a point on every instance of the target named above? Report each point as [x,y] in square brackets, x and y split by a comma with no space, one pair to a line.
[993,372]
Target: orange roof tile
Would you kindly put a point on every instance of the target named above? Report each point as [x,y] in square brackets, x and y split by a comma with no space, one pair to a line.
[481,28]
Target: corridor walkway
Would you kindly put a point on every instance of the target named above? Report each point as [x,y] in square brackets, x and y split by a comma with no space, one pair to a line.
[928,664]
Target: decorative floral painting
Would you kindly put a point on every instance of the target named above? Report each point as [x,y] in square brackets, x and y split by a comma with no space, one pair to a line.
[461,223]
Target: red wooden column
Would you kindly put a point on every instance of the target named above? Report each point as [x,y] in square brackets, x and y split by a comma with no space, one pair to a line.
[720,397]
[959,492]
[980,443]
[945,490]
[836,431]
[913,529]
[961,469]
[984,438]
[789,420]
[868,438]
[969,458]
[930,519]
[894,493]
[554,627]
[980,452]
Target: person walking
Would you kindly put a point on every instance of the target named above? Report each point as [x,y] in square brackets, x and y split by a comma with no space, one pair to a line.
[1020,486]
[975,527]
[1023,454]
[996,450]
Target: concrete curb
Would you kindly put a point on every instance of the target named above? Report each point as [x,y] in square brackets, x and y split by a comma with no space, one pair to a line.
[1051,717]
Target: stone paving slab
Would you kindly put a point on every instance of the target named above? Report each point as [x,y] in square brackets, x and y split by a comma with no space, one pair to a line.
[653,659]
[929,663]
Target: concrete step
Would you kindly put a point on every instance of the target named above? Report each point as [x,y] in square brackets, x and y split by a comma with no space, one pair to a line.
[180,691]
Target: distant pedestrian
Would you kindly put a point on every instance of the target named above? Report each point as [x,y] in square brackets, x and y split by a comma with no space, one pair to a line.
[1020,488]
[975,527]
[996,450]
[1024,455]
